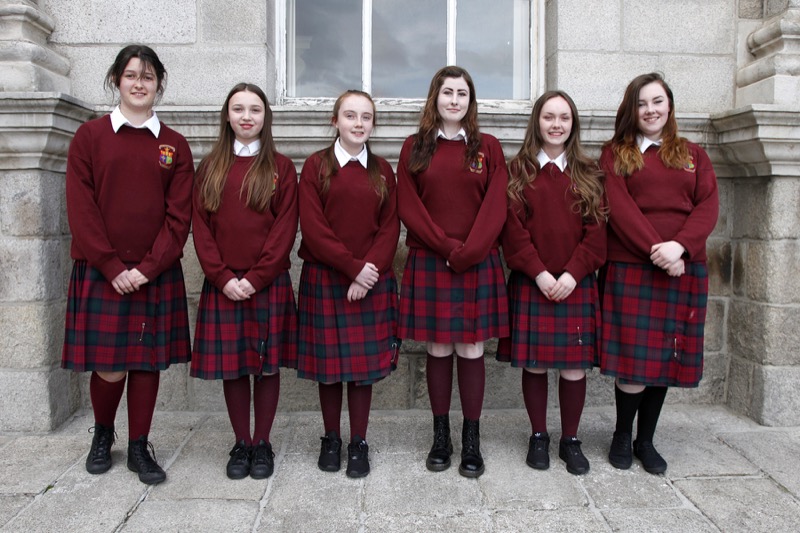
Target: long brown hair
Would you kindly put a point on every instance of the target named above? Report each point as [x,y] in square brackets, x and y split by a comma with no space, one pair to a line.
[213,170]
[627,156]
[430,122]
[584,173]
[330,166]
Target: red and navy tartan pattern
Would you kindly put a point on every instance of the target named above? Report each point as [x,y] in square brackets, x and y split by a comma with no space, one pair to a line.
[653,324]
[546,334]
[341,340]
[108,332]
[255,336]
[439,305]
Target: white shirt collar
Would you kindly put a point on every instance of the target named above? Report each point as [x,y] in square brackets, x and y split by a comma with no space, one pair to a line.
[246,150]
[118,120]
[343,157]
[560,161]
[460,135]
[645,143]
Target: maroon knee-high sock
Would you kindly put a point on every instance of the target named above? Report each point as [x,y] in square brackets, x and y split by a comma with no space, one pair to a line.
[330,401]
[359,399]
[471,384]
[572,397]
[237,400]
[439,375]
[265,401]
[105,396]
[142,394]
[534,392]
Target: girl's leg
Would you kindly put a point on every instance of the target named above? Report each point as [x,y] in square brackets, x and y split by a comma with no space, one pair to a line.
[105,391]
[359,399]
[572,397]
[237,400]
[142,394]
[266,391]
[649,411]
[439,375]
[534,392]
[471,385]
[628,397]
[330,401]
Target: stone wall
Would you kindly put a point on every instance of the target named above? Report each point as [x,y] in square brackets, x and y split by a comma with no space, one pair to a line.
[733,65]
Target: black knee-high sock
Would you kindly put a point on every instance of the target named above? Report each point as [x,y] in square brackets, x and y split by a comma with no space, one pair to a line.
[627,405]
[649,411]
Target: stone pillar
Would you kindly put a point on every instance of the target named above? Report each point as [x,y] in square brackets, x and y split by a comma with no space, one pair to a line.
[760,139]
[35,130]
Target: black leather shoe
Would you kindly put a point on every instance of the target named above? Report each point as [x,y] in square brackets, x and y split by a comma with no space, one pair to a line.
[330,453]
[650,458]
[99,459]
[439,456]
[569,450]
[141,462]
[357,458]
[471,459]
[539,451]
[239,464]
[620,455]
[262,460]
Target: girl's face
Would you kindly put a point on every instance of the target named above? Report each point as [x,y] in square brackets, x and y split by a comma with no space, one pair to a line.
[453,101]
[138,87]
[653,110]
[246,116]
[354,122]
[555,125]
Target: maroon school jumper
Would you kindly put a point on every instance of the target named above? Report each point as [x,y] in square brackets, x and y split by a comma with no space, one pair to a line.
[129,205]
[343,229]
[653,323]
[549,234]
[257,335]
[454,213]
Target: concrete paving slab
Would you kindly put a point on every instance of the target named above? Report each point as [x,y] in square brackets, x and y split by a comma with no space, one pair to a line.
[694,452]
[11,504]
[562,521]
[31,464]
[463,522]
[659,521]
[195,516]
[775,452]
[610,488]
[305,524]
[743,504]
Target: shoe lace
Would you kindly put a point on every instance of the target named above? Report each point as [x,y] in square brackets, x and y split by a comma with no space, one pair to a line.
[331,445]
[440,436]
[573,447]
[147,462]
[357,450]
[470,443]
[262,453]
[105,439]
[239,452]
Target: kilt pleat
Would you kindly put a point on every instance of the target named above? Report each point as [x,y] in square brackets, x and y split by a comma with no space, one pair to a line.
[439,305]
[546,334]
[341,340]
[108,332]
[653,324]
[249,337]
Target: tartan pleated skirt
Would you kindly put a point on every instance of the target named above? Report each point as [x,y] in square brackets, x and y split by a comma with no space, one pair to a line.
[439,305]
[249,337]
[653,324]
[345,341]
[108,332]
[547,334]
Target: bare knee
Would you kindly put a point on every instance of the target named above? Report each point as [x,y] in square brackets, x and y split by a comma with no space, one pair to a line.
[438,349]
[112,377]
[469,350]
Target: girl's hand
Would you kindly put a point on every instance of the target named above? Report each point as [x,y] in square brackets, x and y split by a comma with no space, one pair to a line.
[137,278]
[123,283]
[368,276]
[246,287]
[233,291]
[678,268]
[666,253]
[356,292]
[563,287]
[545,281]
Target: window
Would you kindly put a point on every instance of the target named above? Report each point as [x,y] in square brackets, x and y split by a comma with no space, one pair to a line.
[392,48]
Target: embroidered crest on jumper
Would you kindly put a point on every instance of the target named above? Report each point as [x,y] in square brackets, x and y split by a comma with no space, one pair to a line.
[689,167]
[166,155]
[477,165]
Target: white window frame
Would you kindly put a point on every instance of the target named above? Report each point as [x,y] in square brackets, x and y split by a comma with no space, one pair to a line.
[284,43]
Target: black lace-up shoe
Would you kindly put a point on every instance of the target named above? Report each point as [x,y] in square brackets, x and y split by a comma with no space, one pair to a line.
[357,458]
[239,464]
[263,461]
[330,453]
[539,451]
[141,462]
[439,456]
[650,458]
[620,455]
[99,459]
[569,450]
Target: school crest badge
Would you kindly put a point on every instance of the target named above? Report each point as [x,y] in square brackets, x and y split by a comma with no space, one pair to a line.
[477,165]
[689,167]
[166,155]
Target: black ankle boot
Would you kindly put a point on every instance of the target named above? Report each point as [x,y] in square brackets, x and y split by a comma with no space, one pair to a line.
[141,462]
[439,456]
[471,459]
[99,459]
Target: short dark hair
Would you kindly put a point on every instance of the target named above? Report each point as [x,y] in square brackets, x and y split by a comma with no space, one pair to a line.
[146,55]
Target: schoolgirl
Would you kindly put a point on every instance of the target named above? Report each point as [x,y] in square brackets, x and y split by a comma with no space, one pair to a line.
[128,185]
[553,241]
[245,223]
[451,198]
[348,293]
[662,193]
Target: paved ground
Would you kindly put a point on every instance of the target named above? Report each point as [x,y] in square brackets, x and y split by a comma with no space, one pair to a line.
[726,473]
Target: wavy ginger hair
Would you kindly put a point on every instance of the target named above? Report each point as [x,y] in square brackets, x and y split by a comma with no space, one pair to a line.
[213,171]
[584,173]
[627,156]
[430,122]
